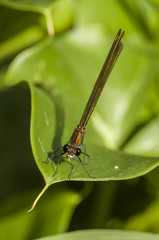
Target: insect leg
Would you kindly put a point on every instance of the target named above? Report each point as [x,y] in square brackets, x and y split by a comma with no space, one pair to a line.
[84,146]
[58,162]
[75,168]
[53,155]
[89,164]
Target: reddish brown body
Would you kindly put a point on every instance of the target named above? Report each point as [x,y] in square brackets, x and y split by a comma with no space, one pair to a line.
[73,147]
[77,136]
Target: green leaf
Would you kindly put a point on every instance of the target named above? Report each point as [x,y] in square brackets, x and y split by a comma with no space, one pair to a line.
[59,204]
[17,35]
[146,220]
[154,3]
[58,14]
[2,76]
[29,5]
[136,15]
[146,141]
[59,90]
[104,234]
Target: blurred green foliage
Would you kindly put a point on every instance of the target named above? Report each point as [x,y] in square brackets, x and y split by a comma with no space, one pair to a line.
[54,51]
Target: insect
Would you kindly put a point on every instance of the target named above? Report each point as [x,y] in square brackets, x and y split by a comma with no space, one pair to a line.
[73,147]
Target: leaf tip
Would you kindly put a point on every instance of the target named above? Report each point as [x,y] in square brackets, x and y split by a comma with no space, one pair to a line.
[37,199]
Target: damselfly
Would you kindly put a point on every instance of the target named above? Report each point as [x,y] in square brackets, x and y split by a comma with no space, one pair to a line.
[73,147]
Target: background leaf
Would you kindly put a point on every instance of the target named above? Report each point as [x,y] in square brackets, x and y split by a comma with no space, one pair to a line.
[51,10]
[142,143]
[106,234]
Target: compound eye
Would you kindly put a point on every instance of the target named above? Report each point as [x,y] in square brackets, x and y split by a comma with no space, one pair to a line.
[78,151]
[65,148]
